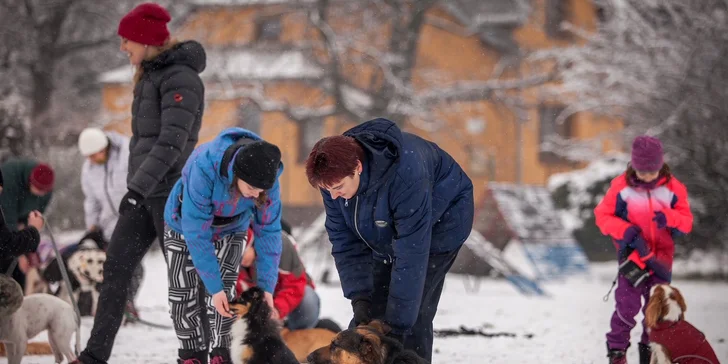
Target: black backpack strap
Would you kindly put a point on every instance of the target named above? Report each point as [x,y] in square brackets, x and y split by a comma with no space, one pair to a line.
[230,153]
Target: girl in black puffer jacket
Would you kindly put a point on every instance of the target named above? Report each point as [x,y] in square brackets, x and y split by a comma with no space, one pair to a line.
[166,118]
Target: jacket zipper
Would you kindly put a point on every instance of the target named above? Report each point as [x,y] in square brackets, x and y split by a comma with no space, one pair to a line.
[652,225]
[356,227]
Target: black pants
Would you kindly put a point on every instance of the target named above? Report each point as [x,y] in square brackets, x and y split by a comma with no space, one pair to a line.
[421,337]
[132,237]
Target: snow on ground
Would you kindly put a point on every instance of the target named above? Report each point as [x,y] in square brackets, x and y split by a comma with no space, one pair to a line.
[567,327]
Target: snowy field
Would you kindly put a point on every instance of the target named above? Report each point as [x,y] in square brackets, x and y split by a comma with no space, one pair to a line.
[567,327]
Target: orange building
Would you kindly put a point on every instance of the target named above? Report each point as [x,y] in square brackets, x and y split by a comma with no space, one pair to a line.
[262,67]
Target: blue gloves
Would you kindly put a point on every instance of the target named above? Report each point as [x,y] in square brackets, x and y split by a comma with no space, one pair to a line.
[632,233]
[659,269]
[660,219]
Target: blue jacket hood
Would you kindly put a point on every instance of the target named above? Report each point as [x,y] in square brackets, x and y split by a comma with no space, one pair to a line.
[382,142]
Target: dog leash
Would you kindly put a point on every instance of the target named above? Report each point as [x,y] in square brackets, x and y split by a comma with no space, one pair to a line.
[614,283]
[14,264]
[64,275]
[152,324]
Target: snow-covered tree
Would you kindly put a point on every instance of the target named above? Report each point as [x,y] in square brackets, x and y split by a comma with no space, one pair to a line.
[51,52]
[662,66]
[367,52]
[382,39]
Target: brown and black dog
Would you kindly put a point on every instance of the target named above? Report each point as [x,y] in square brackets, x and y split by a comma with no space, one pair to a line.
[256,337]
[365,344]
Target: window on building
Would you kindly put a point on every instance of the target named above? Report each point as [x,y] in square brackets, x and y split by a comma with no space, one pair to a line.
[482,163]
[557,12]
[268,29]
[549,129]
[249,115]
[601,14]
[310,132]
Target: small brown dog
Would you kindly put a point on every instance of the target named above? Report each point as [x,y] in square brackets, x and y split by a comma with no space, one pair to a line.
[672,339]
[365,344]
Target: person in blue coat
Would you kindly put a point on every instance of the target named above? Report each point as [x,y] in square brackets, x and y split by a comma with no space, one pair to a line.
[225,184]
[398,210]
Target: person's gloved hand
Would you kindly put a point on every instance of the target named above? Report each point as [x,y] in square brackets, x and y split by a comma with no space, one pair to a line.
[361,308]
[659,269]
[398,337]
[660,219]
[629,235]
[640,245]
[132,200]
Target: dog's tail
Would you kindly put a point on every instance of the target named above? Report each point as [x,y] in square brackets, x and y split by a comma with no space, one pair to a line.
[34,348]
[329,324]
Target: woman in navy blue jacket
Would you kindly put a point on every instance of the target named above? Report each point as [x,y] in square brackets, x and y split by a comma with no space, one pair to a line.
[226,184]
[398,209]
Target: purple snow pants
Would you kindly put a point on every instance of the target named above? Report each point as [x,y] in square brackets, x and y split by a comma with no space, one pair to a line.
[628,303]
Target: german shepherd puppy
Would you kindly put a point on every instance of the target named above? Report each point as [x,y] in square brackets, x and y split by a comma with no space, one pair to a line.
[365,344]
[256,338]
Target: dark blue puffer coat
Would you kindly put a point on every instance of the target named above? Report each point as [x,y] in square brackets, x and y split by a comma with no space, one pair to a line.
[413,200]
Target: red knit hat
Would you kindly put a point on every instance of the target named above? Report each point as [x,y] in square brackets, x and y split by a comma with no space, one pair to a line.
[146,24]
[42,177]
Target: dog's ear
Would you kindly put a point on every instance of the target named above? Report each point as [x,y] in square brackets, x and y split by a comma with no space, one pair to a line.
[655,306]
[380,326]
[678,297]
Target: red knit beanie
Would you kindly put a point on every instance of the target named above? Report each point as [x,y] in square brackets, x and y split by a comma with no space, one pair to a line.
[42,177]
[146,24]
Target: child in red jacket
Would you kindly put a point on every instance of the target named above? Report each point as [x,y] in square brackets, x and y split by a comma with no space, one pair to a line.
[294,297]
[642,211]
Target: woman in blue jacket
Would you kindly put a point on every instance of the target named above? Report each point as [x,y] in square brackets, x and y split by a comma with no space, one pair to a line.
[398,209]
[225,183]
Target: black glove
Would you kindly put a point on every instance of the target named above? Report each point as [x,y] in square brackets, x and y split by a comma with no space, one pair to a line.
[633,268]
[361,310]
[132,200]
[398,337]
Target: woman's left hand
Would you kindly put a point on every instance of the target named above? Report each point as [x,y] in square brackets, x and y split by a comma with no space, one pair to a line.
[220,301]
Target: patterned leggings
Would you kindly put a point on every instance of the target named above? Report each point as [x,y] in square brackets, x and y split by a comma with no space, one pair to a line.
[188,297]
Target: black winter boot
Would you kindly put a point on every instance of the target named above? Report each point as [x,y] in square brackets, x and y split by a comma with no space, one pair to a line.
[220,356]
[191,357]
[645,353]
[616,356]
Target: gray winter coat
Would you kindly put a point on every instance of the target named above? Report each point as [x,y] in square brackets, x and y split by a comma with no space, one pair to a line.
[104,185]
[166,118]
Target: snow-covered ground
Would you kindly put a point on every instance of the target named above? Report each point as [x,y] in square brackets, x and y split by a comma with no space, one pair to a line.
[567,327]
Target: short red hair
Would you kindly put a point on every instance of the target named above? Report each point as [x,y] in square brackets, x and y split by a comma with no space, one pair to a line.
[332,159]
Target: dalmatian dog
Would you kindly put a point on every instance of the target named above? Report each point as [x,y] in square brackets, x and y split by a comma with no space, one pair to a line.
[87,266]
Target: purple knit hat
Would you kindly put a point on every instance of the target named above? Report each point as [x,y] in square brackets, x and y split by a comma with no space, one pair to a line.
[647,154]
